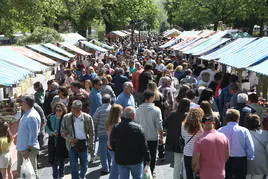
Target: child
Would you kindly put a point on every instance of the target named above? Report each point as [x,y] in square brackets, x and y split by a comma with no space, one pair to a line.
[5,156]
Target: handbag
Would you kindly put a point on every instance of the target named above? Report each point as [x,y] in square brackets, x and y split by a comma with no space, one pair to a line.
[182,143]
[81,145]
[147,173]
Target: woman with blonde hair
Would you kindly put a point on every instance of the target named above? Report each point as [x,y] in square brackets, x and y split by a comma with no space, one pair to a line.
[191,128]
[114,119]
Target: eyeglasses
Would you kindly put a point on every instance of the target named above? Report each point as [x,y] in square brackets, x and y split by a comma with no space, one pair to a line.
[58,110]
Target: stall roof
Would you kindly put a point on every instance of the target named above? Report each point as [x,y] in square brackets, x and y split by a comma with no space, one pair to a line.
[184,43]
[228,49]
[58,50]
[74,48]
[33,55]
[171,32]
[248,55]
[98,43]
[44,50]
[93,46]
[170,42]
[260,68]
[119,33]
[189,33]
[22,61]
[72,38]
[10,74]
[206,48]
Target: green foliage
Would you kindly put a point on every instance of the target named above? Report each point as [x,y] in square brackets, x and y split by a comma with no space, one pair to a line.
[41,35]
[199,13]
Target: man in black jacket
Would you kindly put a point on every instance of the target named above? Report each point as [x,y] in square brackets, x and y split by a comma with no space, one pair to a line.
[128,142]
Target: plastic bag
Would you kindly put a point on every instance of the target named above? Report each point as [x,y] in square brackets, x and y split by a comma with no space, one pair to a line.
[27,170]
[147,173]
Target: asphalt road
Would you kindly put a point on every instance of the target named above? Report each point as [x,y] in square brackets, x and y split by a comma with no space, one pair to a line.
[163,168]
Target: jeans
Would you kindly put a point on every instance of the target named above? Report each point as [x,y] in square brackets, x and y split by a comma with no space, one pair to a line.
[136,171]
[58,167]
[179,169]
[152,146]
[114,173]
[104,154]
[83,158]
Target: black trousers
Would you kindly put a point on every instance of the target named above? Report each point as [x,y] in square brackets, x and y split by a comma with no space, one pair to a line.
[188,167]
[236,168]
[152,146]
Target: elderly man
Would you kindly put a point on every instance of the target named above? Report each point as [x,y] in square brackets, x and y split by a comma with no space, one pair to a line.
[149,117]
[241,146]
[126,98]
[243,108]
[100,118]
[78,130]
[211,151]
[27,138]
[130,147]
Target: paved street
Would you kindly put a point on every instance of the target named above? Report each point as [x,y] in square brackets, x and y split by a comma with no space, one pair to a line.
[163,169]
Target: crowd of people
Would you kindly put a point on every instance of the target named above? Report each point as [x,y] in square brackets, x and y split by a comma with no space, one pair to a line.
[138,106]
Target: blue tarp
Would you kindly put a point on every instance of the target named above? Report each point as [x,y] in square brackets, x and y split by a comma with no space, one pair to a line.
[228,49]
[260,68]
[46,51]
[10,74]
[248,55]
[19,60]
[58,50]
[93,46]
[211,47]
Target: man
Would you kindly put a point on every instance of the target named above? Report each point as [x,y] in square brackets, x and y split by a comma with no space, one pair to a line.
[190,94]
[27,139]
[241,146]
[216,84]
[225,97]
[210,71]
[211,151]
[78,130]
[189,78]
[95,96]
[243,108]
[118,80]
[78,94]
[100,117]
[50,93]
[253,103]
[126,98]
[136,75]
[149,117]
[90,74]
[128,142]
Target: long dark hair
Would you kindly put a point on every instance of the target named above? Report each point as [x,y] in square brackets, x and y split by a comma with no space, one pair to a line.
[182,92]
[206,95]
[184,106]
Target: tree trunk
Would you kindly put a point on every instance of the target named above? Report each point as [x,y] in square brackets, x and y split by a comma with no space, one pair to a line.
[216,23]
[108,27]
[262,28]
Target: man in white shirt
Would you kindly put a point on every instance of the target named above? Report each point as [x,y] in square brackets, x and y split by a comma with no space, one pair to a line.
[78,130]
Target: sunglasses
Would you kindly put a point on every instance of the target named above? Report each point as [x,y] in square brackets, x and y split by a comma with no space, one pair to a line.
[58,110]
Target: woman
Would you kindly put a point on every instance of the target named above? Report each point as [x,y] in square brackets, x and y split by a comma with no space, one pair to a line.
[114,119]
[190,130]
[257,168]
[207,95]
[88,86]
[107,89]
[174,142]
[57,151]
[39,95]
[62,96]
[167,91]
[5,155]
[206,107]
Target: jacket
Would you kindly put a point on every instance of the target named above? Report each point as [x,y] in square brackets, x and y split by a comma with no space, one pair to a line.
[150,118]
[173,125]
[56,144]
[67,129]
[245,111]
[129,144]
